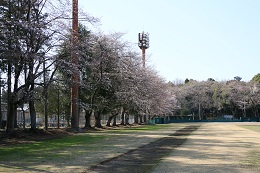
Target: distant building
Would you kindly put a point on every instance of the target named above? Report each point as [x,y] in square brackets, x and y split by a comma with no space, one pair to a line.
[228,117]
[23,113]
[23,116]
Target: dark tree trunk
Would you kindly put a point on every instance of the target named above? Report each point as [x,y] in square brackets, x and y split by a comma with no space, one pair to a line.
[32,108]
[68,120]
[1,122]
[127,119]
[136,119]
[87,118]
[123,117]
[141,119]
[257,112]
[112,117]
[10,116]
[234,112]
[109,121]
[255,109]
[31,79]
[11,110]
[1,116]
[145,119]
[97,119]
[32,114]
[114,121]
[12,102]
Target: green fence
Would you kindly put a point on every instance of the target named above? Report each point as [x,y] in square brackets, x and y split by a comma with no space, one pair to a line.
[174,120]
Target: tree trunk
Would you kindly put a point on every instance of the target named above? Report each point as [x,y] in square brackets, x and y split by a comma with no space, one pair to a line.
[234,111]
[141,119]
[32,108]
[1,122]
[87,118]
[10,116]
[97,119]
[1,117]
[114,121]
[255,108]
[109,121]
[32,114]
[122,116]
[45,94]
[199,112]
[10,100]
[126,118]
[58,107]
[257,112]
[68,120]
[145,118]
[136,119]
[112,117]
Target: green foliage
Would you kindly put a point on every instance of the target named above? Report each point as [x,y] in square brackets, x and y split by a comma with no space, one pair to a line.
[256,78]
[185,112]
[56,95]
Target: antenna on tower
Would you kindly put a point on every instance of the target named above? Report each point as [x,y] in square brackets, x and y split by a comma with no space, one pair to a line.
[143,43]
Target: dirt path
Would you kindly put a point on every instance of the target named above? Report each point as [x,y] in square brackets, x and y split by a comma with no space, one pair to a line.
[216,148]
[144,158]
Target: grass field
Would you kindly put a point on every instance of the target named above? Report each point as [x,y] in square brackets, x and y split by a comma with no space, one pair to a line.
[48,149]
[252,127]
[77,152]
[74,152]
[253,158]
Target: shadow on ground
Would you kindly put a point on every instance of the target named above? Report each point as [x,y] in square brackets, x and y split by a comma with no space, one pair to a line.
[144,158]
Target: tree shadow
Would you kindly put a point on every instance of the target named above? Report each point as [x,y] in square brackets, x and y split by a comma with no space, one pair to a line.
[145,157]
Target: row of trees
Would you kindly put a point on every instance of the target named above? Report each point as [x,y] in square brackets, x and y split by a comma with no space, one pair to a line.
[35,59]
[35,52]
[211,98]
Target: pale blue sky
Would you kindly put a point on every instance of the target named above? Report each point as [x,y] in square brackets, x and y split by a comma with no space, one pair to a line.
[196,39]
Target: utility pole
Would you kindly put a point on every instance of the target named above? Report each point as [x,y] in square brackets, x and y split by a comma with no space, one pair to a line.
[143,43]
[75,62]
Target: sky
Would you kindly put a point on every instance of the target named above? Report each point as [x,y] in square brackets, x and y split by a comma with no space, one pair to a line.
[194,39]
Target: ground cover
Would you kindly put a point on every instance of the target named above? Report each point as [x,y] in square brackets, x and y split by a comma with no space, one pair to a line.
[216,148]
[76,152]
[144,158]
[253,156]
[252,127]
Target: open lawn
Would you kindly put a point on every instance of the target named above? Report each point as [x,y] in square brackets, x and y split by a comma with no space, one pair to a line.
[214,147]
[77,152]
[252,127]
